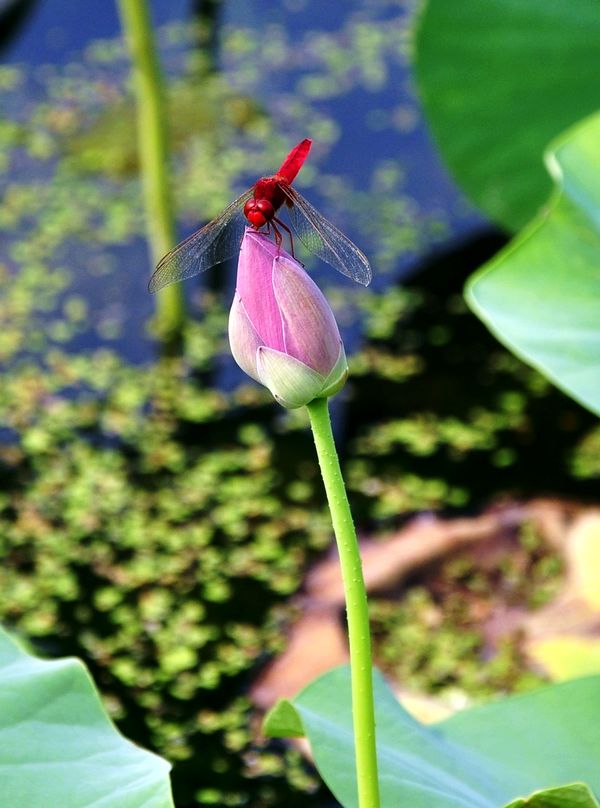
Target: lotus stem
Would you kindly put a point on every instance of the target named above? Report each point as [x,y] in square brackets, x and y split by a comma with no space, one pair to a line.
[153,155]
[356,605]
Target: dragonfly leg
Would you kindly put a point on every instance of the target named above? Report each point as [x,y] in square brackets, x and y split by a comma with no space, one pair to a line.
[287,230]
[276,234]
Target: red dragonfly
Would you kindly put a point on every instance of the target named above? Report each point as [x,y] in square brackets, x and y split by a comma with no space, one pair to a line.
[220,239]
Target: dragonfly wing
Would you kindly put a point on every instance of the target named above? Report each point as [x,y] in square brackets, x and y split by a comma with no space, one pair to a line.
[215,242]
[324,239]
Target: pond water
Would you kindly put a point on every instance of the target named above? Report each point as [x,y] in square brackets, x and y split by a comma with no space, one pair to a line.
[375,171]
[52,31]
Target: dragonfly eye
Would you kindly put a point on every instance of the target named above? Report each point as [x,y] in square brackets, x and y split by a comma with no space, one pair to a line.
[258,211]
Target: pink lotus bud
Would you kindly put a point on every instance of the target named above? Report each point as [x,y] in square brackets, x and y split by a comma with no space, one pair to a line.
[281,329]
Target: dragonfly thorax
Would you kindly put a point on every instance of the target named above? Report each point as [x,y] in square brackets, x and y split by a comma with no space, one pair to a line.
[259,211]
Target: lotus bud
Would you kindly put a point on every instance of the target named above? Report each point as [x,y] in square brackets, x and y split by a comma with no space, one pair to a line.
[282,331]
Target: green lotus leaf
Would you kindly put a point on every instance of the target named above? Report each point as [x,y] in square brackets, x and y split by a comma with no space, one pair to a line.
[538,750]
[541,295]
[59,748]
[499,79]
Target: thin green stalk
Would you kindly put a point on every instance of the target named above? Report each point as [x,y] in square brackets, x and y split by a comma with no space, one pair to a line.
[153,154]
[356,605]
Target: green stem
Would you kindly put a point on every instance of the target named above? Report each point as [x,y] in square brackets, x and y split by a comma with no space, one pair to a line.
[356,605]
[153,154]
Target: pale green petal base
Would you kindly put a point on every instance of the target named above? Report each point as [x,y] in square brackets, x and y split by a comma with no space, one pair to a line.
[338,376]
[292,383]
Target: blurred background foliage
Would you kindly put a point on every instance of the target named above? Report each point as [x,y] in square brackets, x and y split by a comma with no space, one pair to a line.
[157,514]
[494,79]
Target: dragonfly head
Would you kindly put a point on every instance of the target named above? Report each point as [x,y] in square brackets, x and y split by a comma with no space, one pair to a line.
[259,211]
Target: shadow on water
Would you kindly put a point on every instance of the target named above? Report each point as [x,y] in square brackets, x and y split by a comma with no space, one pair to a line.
[466,377]
[208,13]
[13,15]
